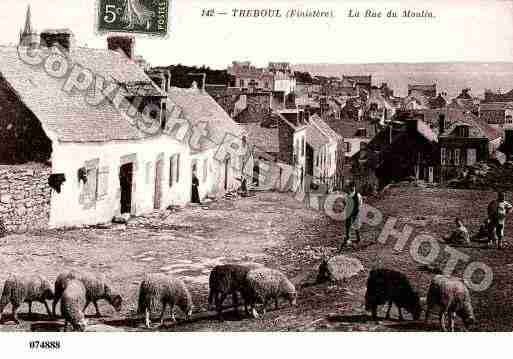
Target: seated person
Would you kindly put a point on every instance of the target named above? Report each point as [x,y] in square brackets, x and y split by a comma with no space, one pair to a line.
[459,235]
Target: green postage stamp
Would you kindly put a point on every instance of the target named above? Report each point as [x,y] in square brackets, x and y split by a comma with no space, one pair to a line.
[149,17]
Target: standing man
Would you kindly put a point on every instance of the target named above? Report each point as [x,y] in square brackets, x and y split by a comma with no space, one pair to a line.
[353,205]
[497,211]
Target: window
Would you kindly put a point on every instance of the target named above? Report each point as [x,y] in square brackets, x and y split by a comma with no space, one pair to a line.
[317,164]
[457,157]
[443,156]
[471,156]
[303,146]
[91,186]
[174,169]
[148,172]
[348,146]
[241,83]
[509,120]
[464,131]
[205,169]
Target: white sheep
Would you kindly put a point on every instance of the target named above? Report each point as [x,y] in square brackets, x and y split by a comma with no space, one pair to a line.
[453,297]
[264,284]
[162,290]
[25,289]
[96,289]
[72,301]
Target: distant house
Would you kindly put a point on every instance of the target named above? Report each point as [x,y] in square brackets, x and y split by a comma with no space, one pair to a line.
[490,96]
[265,146]
[292,143]
[416,100]
[465,142]
[360,81]
[324,152]
[426,90]
[497,113]
[212,134]
[439,101]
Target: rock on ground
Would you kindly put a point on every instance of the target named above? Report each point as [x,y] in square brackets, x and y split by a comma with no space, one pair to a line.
[339,269]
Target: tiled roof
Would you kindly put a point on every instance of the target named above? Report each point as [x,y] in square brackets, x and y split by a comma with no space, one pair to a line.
[264,139]
[67,117]
[198,107]
[422,87]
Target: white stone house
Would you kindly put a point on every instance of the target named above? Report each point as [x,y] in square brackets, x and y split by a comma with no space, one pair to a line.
[106,161]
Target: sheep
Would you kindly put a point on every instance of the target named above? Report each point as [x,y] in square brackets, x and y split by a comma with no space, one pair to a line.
[72,301]
[453,297]
[158,289]
[227,279]
[96,289]
[25,289]
[385,285]
[264,284]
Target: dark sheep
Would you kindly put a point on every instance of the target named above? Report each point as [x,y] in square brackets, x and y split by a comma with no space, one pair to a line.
[225,280]
[453,297]
[25,289]
[161,290]
[389,286]
[72,301]
[96,289]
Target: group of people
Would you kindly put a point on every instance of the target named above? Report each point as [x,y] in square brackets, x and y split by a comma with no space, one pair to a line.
[492,229]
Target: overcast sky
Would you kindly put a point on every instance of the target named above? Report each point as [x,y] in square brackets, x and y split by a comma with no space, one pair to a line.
[461,31]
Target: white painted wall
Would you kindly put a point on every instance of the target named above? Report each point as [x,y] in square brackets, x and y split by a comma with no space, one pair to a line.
[67,158]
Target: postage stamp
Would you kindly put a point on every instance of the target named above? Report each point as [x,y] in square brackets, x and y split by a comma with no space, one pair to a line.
[149,17]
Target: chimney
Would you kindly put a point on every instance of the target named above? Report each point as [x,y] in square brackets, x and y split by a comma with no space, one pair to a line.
[441,123]
[63,38]
[124,43]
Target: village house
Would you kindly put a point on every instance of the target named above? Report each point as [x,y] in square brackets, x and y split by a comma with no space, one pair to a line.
[324,152]
[401,151]
[292,143]
[497,114]
[357,81]
[218,166]
[102,161]
[490,96]
[427,90]
[249,77]
[465,142]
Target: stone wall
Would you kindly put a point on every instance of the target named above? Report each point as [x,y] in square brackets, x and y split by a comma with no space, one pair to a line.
[25,196]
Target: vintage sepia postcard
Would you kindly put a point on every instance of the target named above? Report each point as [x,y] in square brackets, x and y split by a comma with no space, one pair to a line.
[202,167]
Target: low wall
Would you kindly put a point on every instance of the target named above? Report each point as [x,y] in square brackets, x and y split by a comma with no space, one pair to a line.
[24,197]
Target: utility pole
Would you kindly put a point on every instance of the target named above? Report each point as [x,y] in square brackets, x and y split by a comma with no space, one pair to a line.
[204,76]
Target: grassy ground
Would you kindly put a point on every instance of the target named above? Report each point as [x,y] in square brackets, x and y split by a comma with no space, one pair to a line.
[272,229]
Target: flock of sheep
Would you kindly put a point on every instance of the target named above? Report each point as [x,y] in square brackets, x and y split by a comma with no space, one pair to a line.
[254,284]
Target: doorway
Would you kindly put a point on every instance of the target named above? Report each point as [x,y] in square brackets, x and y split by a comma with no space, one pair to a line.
[126,173]
[256,174]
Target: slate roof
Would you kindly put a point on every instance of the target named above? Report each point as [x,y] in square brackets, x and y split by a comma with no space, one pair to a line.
[495,106]
[199,107]
[478,128]
[325,128]
[314,137]
[264,139]
[67,117]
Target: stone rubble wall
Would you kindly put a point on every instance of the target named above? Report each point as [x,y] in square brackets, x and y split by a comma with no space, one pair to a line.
[24,197]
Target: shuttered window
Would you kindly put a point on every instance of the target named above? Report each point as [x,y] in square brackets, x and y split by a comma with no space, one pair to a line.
[103,182]
[471,156]
[457,157]
[443,153]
